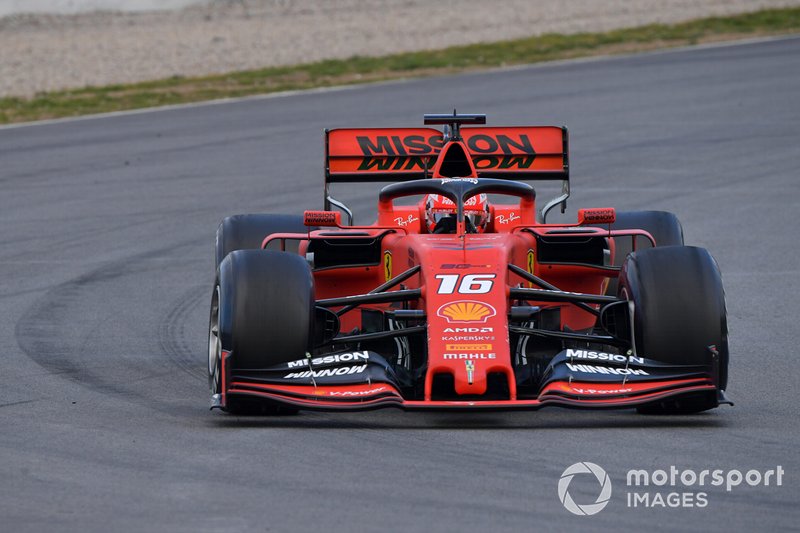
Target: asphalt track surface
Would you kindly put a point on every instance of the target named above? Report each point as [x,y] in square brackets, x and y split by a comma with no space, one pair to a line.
[106,261]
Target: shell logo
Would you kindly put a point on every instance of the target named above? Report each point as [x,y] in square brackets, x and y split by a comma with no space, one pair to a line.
[466,311]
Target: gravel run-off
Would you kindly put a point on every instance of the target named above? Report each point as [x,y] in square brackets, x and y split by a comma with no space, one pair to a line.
[42,52]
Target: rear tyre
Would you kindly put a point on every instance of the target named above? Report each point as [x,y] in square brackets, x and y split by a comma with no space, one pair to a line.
[264,305]
[664,226]
[679,313]
[246,232]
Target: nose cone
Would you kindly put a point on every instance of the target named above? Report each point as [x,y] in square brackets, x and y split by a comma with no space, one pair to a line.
[466,303]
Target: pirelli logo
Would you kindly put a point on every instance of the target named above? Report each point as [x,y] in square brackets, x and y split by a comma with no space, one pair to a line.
[466,347]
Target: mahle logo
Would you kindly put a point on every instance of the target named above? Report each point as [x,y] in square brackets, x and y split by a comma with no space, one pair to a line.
[602,498]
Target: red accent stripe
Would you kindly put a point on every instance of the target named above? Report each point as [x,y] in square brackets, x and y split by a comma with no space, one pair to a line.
[223,378]
[299,396]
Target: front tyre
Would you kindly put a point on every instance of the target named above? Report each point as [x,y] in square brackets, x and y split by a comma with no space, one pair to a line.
[679,313]
[262,311]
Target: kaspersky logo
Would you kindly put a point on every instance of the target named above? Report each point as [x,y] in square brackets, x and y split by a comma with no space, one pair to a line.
[466,311]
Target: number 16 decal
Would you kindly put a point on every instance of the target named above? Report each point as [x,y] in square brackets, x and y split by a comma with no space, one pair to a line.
[470,283]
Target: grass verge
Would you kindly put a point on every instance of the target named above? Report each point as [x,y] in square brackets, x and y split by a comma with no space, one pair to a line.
[178,90]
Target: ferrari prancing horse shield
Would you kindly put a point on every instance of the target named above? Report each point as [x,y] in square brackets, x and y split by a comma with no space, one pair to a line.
[387,265]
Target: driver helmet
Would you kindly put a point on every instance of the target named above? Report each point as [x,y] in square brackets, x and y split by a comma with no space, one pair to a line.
[440,214]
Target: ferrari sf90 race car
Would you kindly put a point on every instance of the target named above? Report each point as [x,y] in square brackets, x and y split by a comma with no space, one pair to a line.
[462,296]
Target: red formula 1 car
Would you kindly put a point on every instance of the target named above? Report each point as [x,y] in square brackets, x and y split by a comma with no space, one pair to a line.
[459,302]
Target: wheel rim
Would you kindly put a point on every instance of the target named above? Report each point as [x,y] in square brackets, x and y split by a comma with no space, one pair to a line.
[214,344]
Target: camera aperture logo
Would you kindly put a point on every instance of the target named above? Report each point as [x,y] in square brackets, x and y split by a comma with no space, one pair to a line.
[665,488]
[590,508]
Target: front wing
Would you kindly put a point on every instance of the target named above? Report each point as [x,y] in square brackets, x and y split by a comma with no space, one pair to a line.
[367,381]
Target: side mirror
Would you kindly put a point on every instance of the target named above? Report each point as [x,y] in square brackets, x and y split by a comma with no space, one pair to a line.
[597,215]
[322,218]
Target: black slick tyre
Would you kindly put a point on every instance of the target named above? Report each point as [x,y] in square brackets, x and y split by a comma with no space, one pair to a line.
[264,305]
[679,313]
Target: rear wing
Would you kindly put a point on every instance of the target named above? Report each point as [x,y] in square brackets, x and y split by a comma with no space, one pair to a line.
[401,154]
[526,153]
